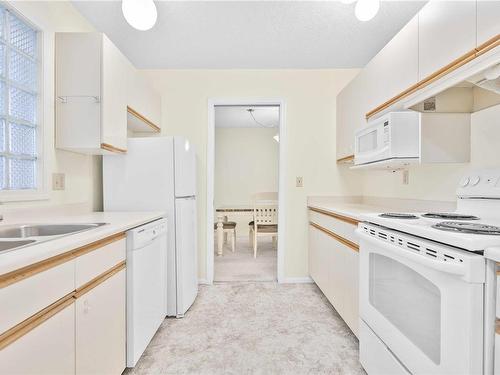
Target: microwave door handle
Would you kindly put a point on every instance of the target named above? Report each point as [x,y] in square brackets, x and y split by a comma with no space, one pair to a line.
[438,265]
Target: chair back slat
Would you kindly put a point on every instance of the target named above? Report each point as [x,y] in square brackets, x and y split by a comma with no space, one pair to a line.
[265,214]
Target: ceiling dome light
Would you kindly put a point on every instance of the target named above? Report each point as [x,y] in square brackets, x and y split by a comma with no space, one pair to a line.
[140,14]
[365,10]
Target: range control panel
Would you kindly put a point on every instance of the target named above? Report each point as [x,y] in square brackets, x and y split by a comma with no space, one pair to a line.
[480,183]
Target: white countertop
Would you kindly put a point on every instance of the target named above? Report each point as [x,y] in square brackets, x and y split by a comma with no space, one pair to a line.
[352,210]
[117,222]
[355,207]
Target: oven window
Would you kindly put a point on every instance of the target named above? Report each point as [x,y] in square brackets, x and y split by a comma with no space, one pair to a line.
[409,301]
[367,142]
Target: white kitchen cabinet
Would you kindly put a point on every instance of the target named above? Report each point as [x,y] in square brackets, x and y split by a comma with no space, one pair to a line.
[447,31]
[91,94]
[101,328]
[334,268]
[48,349]
[488,20]
[352,103]
[143,105]
[395,67]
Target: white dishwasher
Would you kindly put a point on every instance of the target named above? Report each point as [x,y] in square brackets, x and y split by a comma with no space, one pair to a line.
[146,285]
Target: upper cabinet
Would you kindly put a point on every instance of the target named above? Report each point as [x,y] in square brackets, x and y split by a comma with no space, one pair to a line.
[447,31]
[488,20]
[395,67]
[91,94]
[100,96]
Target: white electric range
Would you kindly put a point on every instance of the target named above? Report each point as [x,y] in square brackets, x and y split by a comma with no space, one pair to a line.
[428,285]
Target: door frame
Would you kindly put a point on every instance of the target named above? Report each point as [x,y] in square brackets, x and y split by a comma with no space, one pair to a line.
[212,103]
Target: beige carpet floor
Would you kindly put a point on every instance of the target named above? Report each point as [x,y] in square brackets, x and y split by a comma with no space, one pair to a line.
[254,328]
[242,266]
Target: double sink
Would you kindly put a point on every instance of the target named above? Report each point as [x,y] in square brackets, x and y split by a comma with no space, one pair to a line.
[19,235]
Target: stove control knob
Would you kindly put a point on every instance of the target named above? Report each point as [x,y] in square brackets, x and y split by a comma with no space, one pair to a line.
[475,180]
[465,181]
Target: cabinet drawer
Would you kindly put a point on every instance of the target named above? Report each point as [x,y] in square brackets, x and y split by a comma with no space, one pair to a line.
[49,348]
[342,226]
[28,296]
[100,260]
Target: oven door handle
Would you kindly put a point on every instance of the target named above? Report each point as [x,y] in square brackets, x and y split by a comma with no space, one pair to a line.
[439,265]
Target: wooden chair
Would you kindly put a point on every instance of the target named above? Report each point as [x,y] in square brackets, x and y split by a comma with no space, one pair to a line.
[229,228]
[270,197]
[265,217]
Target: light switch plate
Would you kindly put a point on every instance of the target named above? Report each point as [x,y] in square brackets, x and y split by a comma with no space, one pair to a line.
[58,181]
[299,182]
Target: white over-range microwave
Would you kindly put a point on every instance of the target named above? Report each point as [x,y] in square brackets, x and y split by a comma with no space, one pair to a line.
[394,136]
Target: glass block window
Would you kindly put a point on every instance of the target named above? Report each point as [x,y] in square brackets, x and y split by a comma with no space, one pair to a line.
[19,69]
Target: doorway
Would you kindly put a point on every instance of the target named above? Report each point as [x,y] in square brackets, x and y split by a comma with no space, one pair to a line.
[245,172]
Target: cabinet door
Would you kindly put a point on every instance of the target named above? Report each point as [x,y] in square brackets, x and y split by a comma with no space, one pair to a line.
[488,20]
[351,109]
[78,85]
[47,349]
[318,259]
[395,67]
[447,30]
[101,329]
[115,75]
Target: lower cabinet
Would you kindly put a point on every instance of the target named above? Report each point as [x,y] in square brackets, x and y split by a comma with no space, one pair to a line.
[47,349]
[101,328]
[334,268]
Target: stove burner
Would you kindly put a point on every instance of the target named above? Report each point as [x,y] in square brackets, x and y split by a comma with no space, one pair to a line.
[461,227]
[396,215]
[450,216]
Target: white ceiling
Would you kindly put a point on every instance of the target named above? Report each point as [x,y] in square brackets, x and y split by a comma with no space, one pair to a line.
[251,34]
[238,117]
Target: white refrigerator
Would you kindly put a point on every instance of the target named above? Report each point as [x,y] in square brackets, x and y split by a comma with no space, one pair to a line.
[159,174]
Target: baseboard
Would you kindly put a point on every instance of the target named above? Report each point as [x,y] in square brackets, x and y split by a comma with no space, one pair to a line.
[203,282]
[297,280]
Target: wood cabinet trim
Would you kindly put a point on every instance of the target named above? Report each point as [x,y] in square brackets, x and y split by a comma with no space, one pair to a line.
[22,273]
[87,287]
[340,239]
[455,64]
[26,326]
[346,219]
[149,123]
[346,159]
[111,148]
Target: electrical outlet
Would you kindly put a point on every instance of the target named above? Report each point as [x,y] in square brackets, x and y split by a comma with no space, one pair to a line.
[299,182]
[406,177]
[58,181]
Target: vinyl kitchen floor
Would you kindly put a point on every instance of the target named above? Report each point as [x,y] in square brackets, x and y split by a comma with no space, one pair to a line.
[254,328]
[242,266]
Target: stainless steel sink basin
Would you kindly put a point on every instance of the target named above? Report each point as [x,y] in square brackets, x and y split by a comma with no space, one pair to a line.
[43,230]
[9,245]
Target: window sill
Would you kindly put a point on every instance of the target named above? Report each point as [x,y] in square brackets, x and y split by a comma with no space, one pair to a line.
[23,196]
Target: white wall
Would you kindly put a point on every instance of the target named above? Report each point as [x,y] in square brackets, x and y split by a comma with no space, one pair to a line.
[439,181]
[310,121]
[246,162]
[82,172]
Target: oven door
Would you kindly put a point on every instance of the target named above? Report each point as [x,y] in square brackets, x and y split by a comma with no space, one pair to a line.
[428,317]
[372,143]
